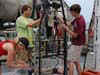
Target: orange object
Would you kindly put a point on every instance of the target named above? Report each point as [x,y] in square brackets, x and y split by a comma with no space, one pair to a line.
[91,33]
[90,72]
[59,31]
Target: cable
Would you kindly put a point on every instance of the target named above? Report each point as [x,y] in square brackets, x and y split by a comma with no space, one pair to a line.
[65,40]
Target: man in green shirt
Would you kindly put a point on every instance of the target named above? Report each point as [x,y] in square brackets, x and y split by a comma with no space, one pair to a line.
[24,24]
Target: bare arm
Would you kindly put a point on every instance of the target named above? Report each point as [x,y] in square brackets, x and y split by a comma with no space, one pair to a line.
[20,62]
[32,23]
[73,34]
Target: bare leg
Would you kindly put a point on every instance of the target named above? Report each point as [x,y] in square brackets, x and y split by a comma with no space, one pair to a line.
[78,67]
[71,68]
[0,70]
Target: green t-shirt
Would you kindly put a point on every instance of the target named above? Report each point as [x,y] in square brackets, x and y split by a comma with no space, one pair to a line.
[23,30]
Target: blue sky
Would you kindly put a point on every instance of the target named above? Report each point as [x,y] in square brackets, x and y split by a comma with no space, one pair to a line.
[87,8]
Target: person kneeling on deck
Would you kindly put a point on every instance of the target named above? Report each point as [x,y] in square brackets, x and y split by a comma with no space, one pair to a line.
[9,48]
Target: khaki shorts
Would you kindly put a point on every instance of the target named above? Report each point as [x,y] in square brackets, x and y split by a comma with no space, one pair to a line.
[25,55]
[74,53]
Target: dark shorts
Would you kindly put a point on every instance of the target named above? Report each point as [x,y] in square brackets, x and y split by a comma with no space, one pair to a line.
[0,62]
